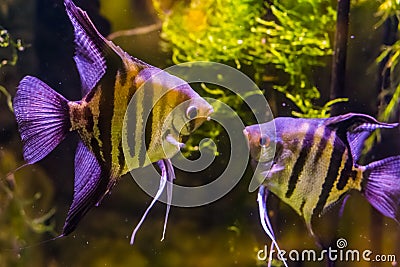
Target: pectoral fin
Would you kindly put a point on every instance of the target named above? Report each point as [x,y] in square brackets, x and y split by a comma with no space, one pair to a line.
[265,222]
[170,139]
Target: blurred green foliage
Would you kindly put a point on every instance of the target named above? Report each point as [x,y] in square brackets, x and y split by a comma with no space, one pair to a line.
[290,37]
[390,96]
[387,9]
[212,30]
[25,211]
[391,53]
[296,41]
[390,9]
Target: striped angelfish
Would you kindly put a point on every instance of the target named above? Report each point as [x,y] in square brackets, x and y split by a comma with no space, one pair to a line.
[157,109]
[315,165]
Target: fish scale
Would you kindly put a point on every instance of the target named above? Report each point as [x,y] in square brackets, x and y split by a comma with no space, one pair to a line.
[308,194]
[303,156]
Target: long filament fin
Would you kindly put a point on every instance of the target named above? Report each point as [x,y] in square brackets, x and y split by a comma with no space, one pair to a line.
[163,181]
[170,180]
[265,222]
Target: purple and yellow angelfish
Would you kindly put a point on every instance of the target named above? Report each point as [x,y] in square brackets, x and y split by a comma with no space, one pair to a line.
[316,165]
[109,78]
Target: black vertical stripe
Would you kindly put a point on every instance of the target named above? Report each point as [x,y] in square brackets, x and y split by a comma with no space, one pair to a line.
[147,118]
[130,126]
[94,145]
[162,108]
[332,174]
[131,120]
[107,85]
[121,157]
[149,130]
[123,76]
[106,111]
[301,160]
[303,203]
[322,145]
[346,174]
[88,116]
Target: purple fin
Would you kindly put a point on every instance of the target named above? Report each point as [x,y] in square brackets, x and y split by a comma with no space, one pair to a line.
[43,118]
[89,187]
[358,128]
[382,186]
[90,46]
[167,177]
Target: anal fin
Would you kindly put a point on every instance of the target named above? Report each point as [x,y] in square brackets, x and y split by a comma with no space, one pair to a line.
[90,185]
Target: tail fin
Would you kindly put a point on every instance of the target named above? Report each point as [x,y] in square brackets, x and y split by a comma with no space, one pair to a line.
[43,118]
[382,186]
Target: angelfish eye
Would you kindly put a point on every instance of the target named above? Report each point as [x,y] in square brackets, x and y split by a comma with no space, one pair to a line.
[191,112]
[264,141]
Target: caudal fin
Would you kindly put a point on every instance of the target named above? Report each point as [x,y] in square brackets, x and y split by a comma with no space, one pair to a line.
[382,186]
[43,118]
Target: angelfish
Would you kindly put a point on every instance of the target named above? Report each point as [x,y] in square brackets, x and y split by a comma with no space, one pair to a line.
[109,80]
[316,165]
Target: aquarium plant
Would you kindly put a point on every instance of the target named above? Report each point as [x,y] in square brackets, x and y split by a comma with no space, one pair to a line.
[288,38]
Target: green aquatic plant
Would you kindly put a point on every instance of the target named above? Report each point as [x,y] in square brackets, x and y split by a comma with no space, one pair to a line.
[389,57]
[6,41]
[390,10]
[290,38]
[4,91]
[15,46]
[287,38]
[211,30]
[387,9]
[296,42]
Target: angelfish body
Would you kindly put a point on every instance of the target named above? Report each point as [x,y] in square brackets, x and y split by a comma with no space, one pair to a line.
[121,96]
[315,164]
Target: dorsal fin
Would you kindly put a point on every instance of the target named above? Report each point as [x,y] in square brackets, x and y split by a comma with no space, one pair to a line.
[94,54]
[356,128]
[90,48]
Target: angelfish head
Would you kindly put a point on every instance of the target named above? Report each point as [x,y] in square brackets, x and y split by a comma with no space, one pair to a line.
[197,111]
[261,141]
[188,114]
